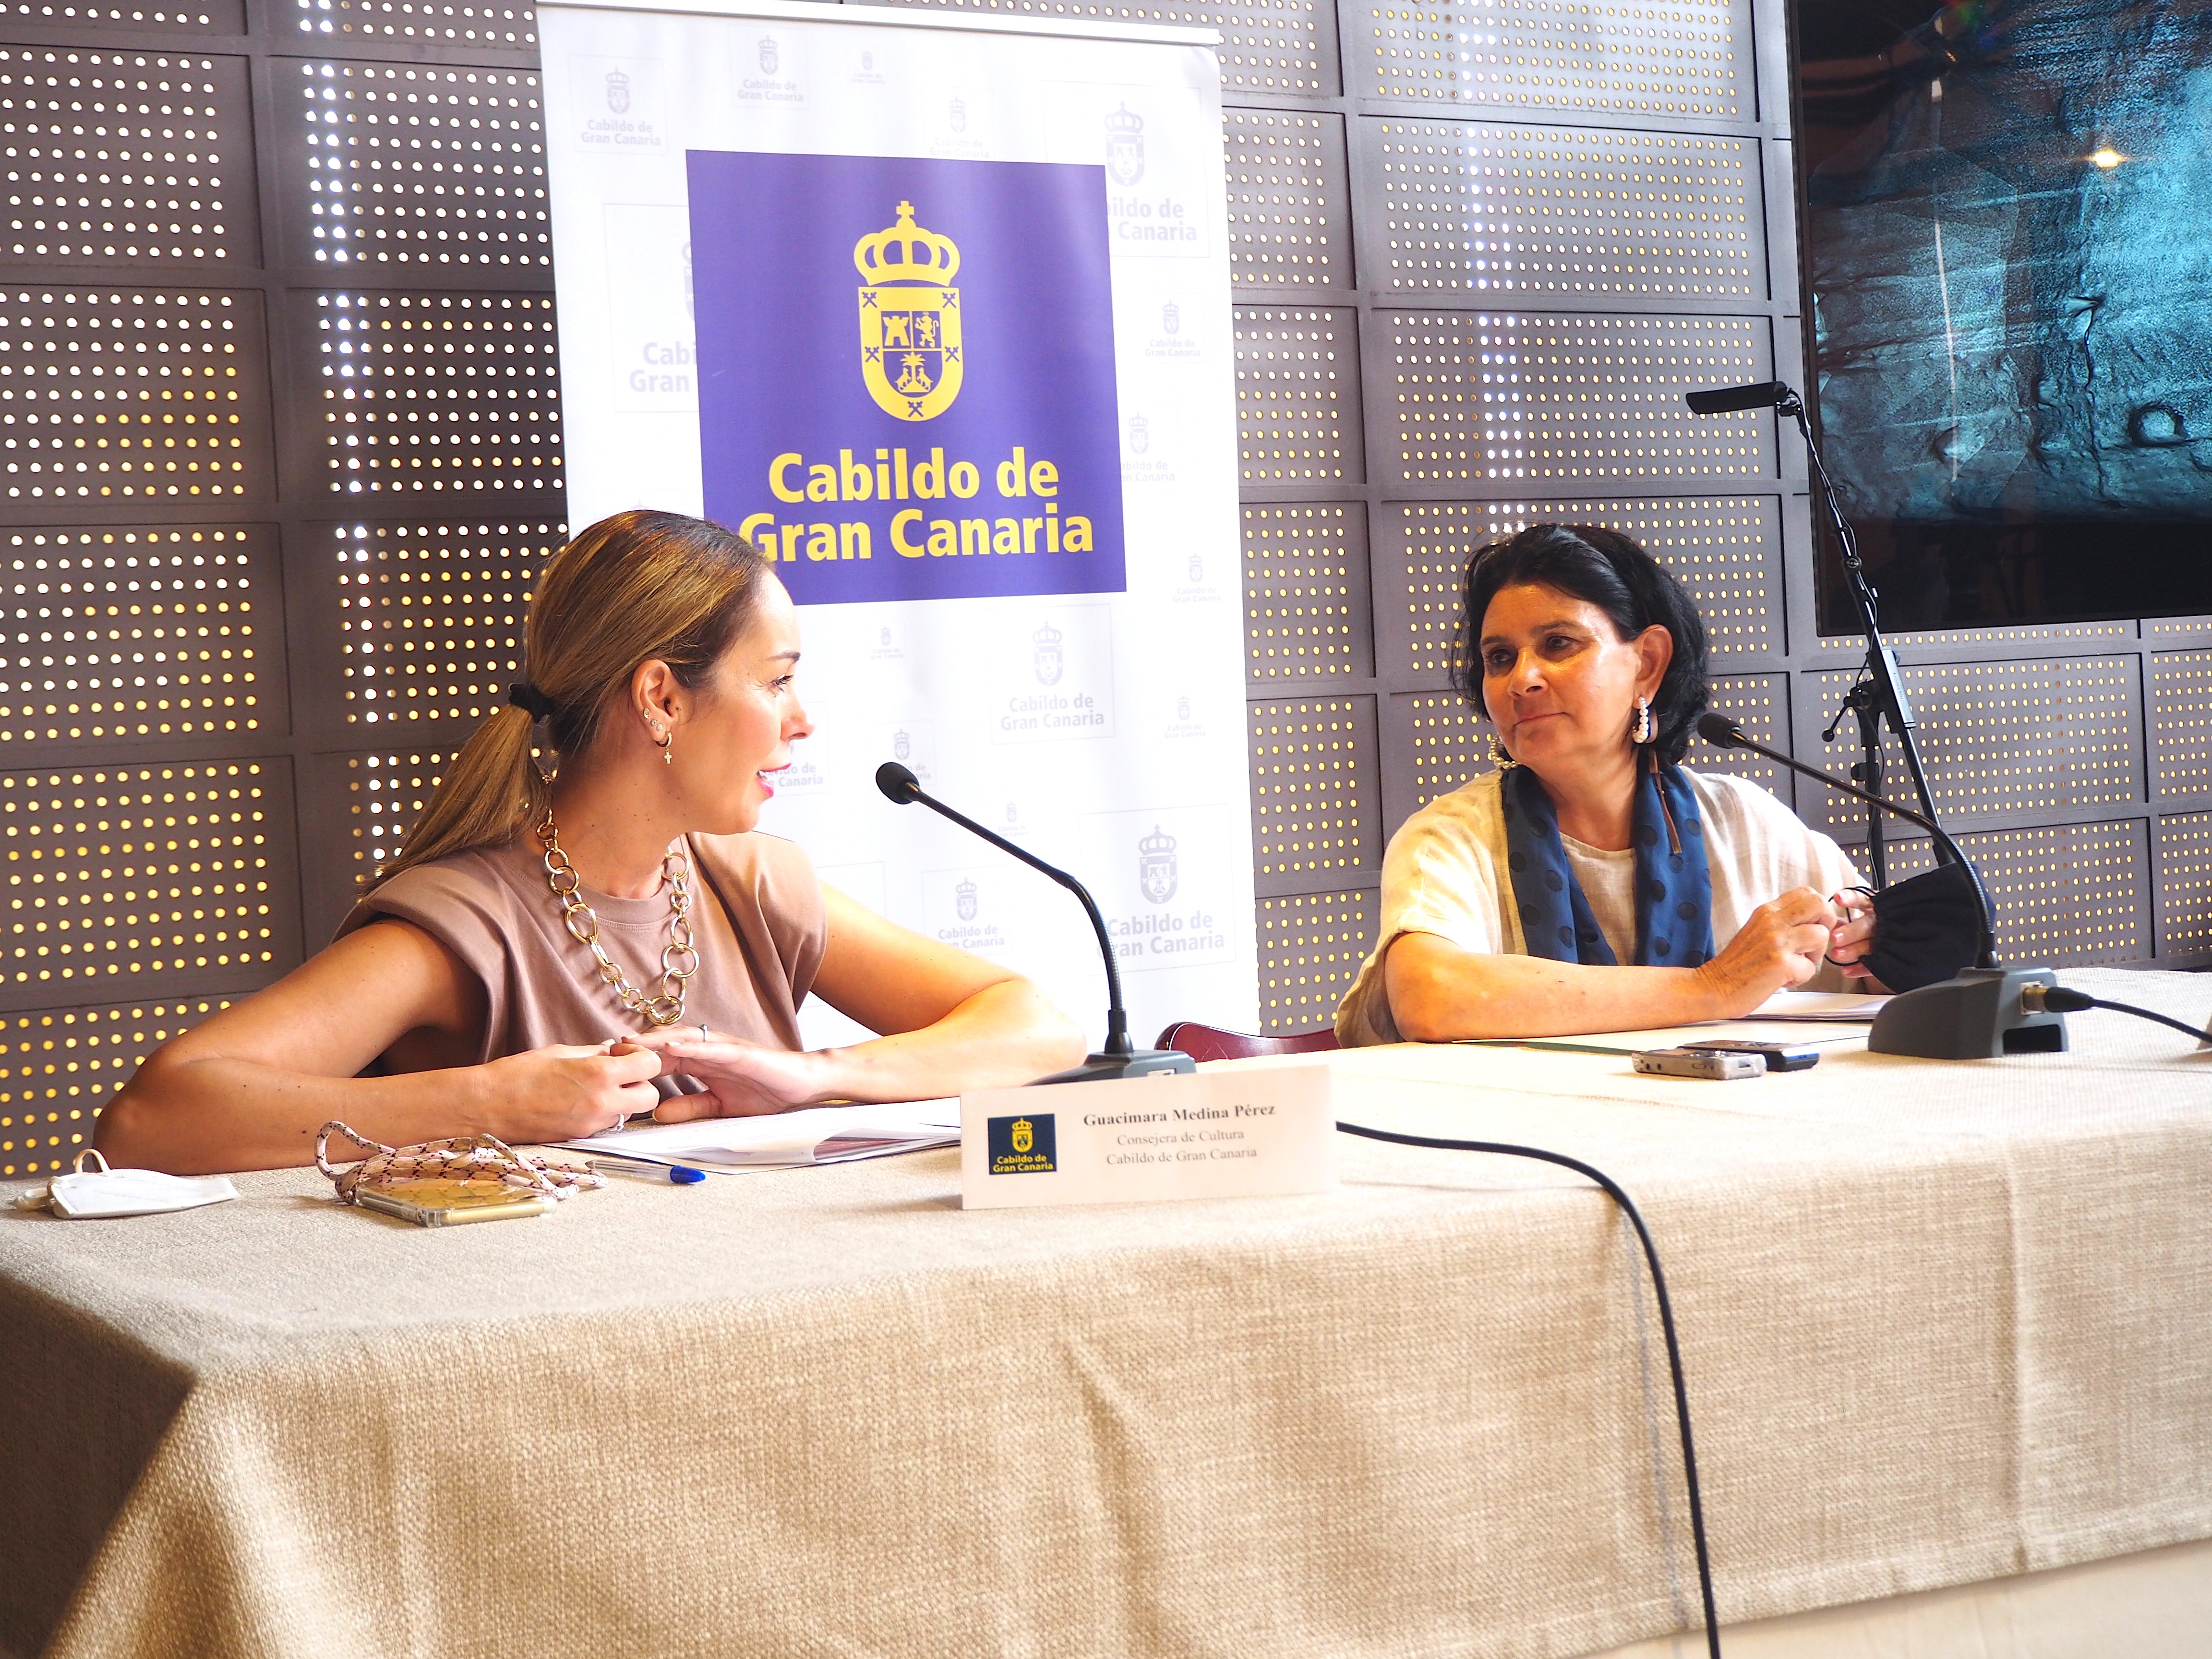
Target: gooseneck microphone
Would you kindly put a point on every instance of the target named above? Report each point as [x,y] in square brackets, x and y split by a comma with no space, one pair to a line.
[1983,1012]
[1728,399]
[1117,1059]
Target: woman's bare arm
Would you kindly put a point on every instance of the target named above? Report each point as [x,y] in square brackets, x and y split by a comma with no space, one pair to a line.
[248,1088]
[1438,992]
[953,1022]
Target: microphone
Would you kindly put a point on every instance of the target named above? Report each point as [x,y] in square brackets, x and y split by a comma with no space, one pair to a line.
[1986,1011]
[1117,1059]
[1727,399]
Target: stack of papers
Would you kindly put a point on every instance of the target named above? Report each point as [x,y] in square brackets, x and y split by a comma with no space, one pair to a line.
[786,1140]
[1820,1007]
[1782,1017]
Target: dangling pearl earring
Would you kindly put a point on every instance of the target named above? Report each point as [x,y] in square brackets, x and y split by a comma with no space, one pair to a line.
[1499,758]
[1644,724]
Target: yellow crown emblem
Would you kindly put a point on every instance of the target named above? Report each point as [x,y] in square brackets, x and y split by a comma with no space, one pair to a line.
[910,348]
[907,253]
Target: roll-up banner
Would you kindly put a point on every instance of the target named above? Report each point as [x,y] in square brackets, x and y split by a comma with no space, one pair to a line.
[934,308]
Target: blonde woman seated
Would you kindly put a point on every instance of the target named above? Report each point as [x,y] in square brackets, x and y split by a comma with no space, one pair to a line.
[1592,884]
[464,993]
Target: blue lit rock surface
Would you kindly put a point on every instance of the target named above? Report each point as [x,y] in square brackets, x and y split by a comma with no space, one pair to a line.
[2004,325]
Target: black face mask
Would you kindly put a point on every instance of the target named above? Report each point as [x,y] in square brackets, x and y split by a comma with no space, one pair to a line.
[1926,928]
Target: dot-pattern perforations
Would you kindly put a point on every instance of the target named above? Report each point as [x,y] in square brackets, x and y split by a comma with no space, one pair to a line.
[2070,896]
[423,167]
[1500,396]
[132,395]
[206,17]
[1289,204]
[109,635]
[430,615]
[136,158]
[60,1067]
[373,798]
[1311,945]
[1305,593]
[437,393]
[2056,636]
[486,24]
[1298,396]
[1665,57]
[2185,888]
[1724,550]
[1513,212]
[1448,742]
[1996,737]
[156,873]
[1313,786]
[1268,46]
[2180,687]
[1759,703]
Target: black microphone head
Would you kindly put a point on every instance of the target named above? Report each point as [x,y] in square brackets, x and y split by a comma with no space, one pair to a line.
[1728,399]
[899,786]
[1719,730]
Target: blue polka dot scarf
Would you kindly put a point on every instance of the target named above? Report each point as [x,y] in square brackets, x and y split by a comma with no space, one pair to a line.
[1673,887]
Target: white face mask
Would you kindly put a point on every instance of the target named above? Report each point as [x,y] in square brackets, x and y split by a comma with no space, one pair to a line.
[86,1194]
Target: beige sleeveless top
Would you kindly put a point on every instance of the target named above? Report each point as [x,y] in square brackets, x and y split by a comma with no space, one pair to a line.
[756,916]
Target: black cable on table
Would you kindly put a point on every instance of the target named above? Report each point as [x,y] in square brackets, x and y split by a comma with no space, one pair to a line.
[2061,1000]
[1666,1325]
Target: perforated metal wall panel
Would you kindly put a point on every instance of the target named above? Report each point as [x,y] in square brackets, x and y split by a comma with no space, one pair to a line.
[2066,895]
[1485,399]
[1297,395]
[142,158]
[438,393]
[412,166]
[363,802]
[1723,549]
[177,874]
[1759,703]
[59,1066]
[1268,46]
[428,622]
[1306,591]
[138,634]
[1999,736]
[1311,945]
[1657,59]
[2185,889]
[1445,745]
[93,20]
[1521,211]
[133,394]
[490,26]
[1316,817]
[2179,684]
[1290,201]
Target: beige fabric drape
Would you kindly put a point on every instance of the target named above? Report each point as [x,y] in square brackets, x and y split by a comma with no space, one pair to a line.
[1942,1322]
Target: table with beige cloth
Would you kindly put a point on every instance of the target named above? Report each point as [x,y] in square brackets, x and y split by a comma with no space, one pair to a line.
[1943,1324]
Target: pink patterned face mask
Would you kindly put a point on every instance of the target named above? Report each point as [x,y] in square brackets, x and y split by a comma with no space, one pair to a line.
[470,1160]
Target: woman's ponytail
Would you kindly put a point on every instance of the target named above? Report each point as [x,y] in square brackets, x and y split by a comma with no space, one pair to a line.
[631,589]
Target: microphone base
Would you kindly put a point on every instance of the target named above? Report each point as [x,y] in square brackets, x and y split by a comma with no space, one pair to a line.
[1975,1016]
[1138,1063]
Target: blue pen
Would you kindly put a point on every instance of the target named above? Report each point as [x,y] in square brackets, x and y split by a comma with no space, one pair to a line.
[638,1170]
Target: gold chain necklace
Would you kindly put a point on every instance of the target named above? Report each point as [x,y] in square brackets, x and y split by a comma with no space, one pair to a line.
[583,922]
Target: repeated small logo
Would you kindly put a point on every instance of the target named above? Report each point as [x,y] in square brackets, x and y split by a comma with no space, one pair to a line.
[1013,812]
[1155,865]
[1125,147]
[769,56]
[956,115]
[963,900]
[1197,568]
[901,745]
[1020,1145]
[1171,317]
[617,93]
[1141,435]
[867,63]
[884,640]
[1182,704]
[1046,657]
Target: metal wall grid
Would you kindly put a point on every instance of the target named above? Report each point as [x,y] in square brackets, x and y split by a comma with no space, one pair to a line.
[259,589]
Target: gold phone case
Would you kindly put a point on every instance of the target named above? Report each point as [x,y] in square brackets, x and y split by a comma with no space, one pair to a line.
[450,1203]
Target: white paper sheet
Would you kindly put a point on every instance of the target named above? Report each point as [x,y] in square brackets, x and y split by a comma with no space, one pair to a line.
[783,1140]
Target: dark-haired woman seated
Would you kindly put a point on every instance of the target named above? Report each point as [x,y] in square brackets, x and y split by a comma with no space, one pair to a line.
[1592,882]
[552,955]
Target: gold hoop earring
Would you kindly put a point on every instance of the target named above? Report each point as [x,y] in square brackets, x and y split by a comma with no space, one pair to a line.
[1499,758]
[668,749]
[1646,725]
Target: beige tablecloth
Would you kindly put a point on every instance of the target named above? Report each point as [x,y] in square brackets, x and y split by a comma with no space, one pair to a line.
[1942,1322]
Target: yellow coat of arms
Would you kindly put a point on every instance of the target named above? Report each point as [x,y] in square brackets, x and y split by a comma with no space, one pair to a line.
[909,319]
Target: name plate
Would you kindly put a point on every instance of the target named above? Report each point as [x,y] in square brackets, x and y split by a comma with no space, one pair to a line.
[1207,1134]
